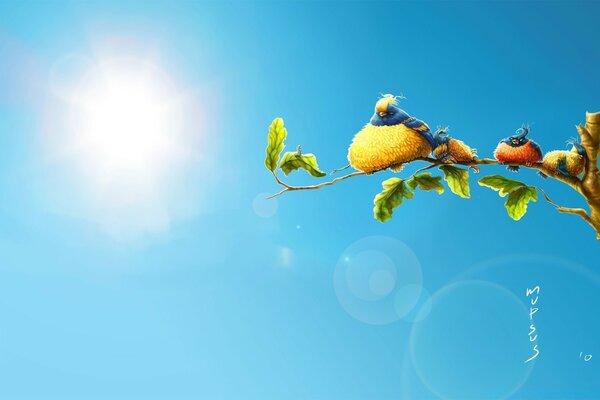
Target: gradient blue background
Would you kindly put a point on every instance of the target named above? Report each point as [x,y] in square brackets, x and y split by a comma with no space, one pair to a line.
[203,310]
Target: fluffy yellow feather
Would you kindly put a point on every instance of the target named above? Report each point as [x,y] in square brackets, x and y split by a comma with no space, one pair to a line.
[375,148]
[573,161]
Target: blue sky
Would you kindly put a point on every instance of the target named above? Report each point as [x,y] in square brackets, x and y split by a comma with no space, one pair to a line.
[190,285]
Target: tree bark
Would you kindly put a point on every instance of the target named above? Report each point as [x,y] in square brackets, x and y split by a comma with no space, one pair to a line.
[590,183]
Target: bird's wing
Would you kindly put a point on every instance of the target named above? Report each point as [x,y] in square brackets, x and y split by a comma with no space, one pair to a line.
[422,128]
[536,147]
[562,166]
[417,125]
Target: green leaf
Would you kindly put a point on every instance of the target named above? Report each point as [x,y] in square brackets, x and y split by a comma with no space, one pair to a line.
[501,184]
[291,161]
[426,182]
[277,134]
[394,192]
[516,203]
[519,194]
[458,180]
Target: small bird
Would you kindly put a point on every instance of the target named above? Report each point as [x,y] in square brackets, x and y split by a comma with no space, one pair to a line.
[450,151]
[390,139]
[518,150]
[565,162]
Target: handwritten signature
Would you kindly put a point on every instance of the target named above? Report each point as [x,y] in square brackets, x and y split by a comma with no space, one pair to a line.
[532,310]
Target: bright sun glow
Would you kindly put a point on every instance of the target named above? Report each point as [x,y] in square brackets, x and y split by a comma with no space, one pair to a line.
[128,117]
[129,146]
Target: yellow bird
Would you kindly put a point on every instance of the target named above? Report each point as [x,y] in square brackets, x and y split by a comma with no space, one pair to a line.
[565,162]
[390,139]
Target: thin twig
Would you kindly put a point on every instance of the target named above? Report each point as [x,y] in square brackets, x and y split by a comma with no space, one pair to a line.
[289,188]
[425,168]
[568,210]
[335,171]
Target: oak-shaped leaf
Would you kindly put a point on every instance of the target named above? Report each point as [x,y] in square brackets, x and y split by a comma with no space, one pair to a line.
[500,184]
[458,180]
[292,161]
[426,182]
[519,194]
[516,203]
[277,134]
[394,192]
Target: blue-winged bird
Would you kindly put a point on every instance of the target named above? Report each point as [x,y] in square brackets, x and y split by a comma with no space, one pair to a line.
[565,162]
[518,150]
[390,139]
[450,150]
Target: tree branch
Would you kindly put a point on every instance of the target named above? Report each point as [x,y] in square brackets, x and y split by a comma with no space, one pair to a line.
[590,140]
[588,186]
[289,188]
[567,210]
[573,182]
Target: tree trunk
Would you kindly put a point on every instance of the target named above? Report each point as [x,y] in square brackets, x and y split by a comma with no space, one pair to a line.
[590,185]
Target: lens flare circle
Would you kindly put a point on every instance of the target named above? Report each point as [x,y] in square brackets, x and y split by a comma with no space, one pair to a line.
[382,282]
[263,206]
[413,302]
[377,280]
[473,343]
[568,290]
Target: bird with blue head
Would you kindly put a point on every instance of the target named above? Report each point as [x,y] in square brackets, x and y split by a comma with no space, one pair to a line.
[568,163]
[390,139]
[452,151]
[518,150]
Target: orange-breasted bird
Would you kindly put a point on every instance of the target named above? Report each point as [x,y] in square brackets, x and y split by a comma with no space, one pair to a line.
[450,150]
[565,162]
[518,150]
[390,139]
